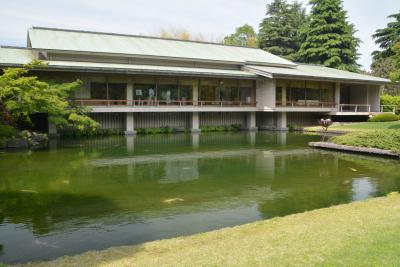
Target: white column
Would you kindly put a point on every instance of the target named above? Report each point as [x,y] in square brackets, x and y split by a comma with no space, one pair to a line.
[281,121]
[130,124]
[195,123]
[195,94]
[251,121]
[337,95]
[129,93]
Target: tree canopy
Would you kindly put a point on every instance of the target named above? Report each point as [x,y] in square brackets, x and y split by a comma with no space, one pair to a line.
[22,95]
[244,35]
[395,75]
[387,38]
[279,31]
[329,38]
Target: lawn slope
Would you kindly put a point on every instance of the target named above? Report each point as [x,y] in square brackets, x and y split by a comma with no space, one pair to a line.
[363,233]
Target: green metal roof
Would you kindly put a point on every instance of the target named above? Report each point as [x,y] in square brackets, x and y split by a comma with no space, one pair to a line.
[317,72]
[106,43]
[17,57]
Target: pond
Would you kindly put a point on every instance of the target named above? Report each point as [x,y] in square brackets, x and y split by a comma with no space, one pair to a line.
[91,194]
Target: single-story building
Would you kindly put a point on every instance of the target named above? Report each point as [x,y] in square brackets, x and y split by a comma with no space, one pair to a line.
[132,82]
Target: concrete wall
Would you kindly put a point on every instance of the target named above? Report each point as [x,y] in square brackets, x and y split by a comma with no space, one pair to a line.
[305,118]
[110,120]
[265,94]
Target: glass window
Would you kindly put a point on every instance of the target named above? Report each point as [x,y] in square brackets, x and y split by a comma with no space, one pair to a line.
[278,95]
[144,91]
[117,91]
[98,90]
[247,95]
[185,92]
[209,93]
[167,93]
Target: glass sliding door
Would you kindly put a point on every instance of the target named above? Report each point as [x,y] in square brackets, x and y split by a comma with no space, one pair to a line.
[117,93]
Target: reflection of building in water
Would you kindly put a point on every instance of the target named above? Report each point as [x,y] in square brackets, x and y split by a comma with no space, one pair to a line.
[362,188]
[180,171]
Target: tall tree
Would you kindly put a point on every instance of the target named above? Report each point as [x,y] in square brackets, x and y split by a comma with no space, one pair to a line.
[395,75]
[386,38]
[329,37]
[280,29]
[244,35]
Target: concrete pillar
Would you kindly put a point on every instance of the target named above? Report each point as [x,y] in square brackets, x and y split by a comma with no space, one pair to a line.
[281,123]
[52,130]
[195,94]
[195,127]
[130,124]
[129,93]
[284,96]
[337,95]
[251,121]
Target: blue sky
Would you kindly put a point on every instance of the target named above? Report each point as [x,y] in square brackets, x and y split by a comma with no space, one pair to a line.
[211,18]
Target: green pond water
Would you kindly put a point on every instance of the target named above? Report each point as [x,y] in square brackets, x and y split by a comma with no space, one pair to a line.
[87,194]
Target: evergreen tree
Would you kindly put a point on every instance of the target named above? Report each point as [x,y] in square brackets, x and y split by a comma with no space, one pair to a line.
[329,37]
[244,36]
[280,31]
[386,38]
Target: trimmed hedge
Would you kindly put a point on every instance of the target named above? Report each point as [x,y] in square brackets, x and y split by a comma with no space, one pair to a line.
[7,131]
[384,117]
[228,128]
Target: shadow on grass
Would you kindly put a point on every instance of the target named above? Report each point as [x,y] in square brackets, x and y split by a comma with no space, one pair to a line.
[395,127]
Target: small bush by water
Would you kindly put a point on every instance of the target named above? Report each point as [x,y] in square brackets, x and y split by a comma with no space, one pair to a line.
[228,128]
[7,131]
[384,117]
[383,139]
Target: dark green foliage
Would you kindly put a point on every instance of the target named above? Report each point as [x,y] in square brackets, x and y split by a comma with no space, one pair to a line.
[329,37]
[162,130]
[98,132]
[280,31]
[387,38]
[384,117]
[230,128]
[383,139]
[244,36]
[7,131]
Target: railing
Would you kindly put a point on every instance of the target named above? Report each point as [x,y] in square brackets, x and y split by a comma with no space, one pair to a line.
[389,108]
[156,103]
[306,103]
[354,108]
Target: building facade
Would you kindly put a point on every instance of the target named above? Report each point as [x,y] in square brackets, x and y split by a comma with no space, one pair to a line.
[132,82]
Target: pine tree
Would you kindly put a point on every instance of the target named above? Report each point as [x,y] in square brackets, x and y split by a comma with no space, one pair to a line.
[329,37]
[280,31]
[387,38]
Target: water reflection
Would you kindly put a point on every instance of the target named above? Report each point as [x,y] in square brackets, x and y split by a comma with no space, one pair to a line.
[95,193]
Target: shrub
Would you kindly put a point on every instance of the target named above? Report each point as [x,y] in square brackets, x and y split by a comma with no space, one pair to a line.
[7,131]
[384,117]
[390,100]
[383,139]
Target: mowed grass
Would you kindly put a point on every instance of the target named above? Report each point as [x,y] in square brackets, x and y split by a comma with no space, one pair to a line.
[365,233]
[360,126]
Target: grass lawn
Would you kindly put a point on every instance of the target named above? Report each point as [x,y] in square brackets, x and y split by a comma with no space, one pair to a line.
[363,233]
[360,126]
